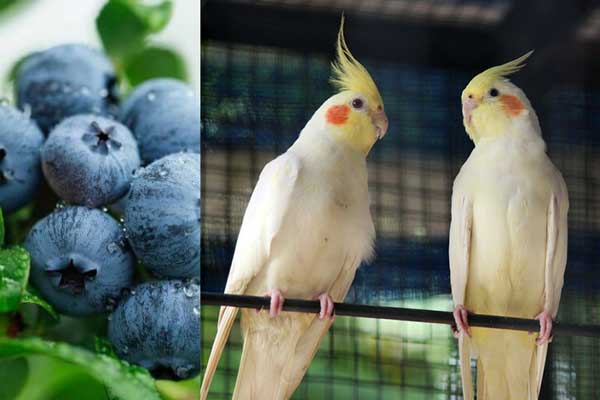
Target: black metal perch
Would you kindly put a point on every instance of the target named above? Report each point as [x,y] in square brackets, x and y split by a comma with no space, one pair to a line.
[399,314]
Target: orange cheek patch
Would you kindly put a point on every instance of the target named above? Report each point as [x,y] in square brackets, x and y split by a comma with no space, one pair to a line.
[337,115]
[512,104]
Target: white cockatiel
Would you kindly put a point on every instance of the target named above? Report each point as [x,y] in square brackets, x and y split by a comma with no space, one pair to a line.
[306,230]
[508,238]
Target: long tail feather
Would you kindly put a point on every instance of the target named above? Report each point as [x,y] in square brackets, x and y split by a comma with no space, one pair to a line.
[464,350]
[540,362]
[226,320]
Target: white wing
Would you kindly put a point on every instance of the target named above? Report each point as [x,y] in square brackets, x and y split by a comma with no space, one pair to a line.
[264,216]
[262,221]
[556,247]
[459,254]
[460,244]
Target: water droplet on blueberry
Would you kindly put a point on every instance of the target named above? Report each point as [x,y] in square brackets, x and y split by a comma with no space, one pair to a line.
[110,304]
[103,92]
[196,310]
[84,91]
[182,372]
[112,248]
[188,291]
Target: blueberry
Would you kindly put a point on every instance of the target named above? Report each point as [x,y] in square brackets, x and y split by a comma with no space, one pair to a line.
[157,326]
[80,260]
[20,173]
[164,116]
[90,160]
[162,215]
[66,80]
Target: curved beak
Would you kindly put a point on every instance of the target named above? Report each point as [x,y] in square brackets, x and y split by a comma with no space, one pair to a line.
[380,120]
[468,105]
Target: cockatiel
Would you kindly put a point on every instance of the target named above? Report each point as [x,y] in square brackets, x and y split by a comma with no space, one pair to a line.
[508,237]
[306,230]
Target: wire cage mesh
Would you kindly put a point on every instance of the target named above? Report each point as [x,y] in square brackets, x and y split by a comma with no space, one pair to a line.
[255,101]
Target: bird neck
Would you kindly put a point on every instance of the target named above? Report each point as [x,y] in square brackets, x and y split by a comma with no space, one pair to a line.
[317,145]
[525,127]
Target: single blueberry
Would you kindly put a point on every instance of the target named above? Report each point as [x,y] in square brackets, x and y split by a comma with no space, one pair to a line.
[66,80]
[162,215]
[90,160]
[164,116]
[157,326]
[80,260]
[20,173]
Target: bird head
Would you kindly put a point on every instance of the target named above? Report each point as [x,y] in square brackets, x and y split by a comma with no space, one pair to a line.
[492,105]
[355,116]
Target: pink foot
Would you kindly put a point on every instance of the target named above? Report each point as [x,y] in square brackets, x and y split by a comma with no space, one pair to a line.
[461,320]
[276,302]
[545,328]
[327,307]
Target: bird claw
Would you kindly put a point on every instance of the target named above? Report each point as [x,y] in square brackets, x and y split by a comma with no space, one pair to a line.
[455,331]
[276,305]
[327,307]
[461,320]
[545,335]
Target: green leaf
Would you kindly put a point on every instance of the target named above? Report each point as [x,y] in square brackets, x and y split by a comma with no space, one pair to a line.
[155,16]
[13,374]
[104,346]
[9,5]
[30,295]
[123,380]
[123,25]
[1,228]
[18,224]
[183,390]
[120,28]
[14,272]
[51,378]
[154,62]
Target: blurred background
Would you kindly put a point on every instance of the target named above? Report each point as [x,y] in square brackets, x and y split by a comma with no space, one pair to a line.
[265,68]
[32,25]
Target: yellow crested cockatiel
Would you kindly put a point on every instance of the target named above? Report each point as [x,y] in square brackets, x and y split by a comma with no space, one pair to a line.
[306,230]
[508,238]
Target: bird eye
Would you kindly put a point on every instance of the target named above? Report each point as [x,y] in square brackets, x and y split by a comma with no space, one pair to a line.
[494,92]
[357,103]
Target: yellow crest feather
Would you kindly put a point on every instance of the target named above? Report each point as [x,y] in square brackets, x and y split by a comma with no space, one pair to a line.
[493,74]
[349,74]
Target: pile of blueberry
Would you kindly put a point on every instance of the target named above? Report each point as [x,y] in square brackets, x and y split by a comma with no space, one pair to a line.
[139,159]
